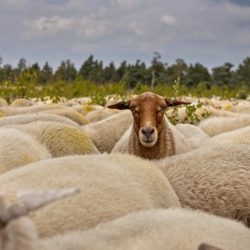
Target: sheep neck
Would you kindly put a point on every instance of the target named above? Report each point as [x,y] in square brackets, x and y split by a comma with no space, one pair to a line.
[164,146]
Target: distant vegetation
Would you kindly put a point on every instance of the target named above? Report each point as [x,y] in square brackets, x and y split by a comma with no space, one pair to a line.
[97,81]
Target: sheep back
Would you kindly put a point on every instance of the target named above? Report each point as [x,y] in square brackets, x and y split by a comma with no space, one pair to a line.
[111,186]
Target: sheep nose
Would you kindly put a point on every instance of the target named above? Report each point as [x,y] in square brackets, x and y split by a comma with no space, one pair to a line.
[147,131]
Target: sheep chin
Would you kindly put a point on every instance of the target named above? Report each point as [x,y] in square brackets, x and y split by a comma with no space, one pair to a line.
[148,143]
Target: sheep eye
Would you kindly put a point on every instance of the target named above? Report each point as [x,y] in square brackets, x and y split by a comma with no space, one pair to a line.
[163,108]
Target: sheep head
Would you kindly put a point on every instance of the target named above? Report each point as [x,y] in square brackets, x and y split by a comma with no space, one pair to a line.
[18,232]
[148,111]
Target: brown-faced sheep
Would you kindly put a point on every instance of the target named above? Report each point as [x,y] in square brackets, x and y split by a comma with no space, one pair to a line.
[151,136]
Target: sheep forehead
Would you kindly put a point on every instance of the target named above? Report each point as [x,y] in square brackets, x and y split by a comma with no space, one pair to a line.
[149,98]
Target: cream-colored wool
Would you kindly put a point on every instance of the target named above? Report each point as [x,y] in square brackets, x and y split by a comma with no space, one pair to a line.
[212,178]
[238,136]
[28,118]
[20,234]
[98,115]
[83,109]
[240,109]
[111,186]
[18,149]
[70,114]
[21,102]
[7,111]
[194,135]
[158,229]
[106,133]
[60,139]
[170,142]
[17,231]
[217,125]
[3,103]
[200,112]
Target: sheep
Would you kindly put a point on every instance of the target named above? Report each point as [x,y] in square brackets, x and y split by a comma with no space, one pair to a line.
[60,139]
[82,100]
[111,186]
[18,149]
[200,113]
[204,246]
[240,109]
[7,111]
[98,115]
[3,103]
[151,136]
[193,134]
[217,125]
[212,178]
[71,114]
[83,109]
[105,133]
[166,229]
[17,232]
[21,102]
[238,136]
[27,118]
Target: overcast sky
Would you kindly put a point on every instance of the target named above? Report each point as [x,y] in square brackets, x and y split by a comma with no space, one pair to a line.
[210,32]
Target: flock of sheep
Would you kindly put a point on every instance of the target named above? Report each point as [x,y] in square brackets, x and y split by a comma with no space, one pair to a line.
[130,179]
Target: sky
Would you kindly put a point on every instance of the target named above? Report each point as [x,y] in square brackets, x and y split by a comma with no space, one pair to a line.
[210,32]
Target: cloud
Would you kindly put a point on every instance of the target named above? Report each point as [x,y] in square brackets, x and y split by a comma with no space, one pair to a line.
[240,2]
[127,3]
[85,47]
[202,35]
[45,27]
[169,20]
[199,31]
[242,38]
[56,2]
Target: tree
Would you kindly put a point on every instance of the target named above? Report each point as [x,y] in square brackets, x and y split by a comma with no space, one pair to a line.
[243,72]
[46,74]
[223,75]
[22,65]
[2,75]
[66,71]
[177,71]
[197,73]
[121,71]
[87,67]
[158,70]
[110,73]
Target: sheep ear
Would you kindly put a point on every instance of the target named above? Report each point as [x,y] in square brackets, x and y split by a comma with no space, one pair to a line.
[205,246]
[31,200]
[172,101]
[120,105]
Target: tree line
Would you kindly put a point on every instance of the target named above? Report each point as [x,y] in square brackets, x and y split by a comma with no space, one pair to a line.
[158,72]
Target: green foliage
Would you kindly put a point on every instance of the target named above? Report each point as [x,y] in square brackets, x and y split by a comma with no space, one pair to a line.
[23,87]
[191,115]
